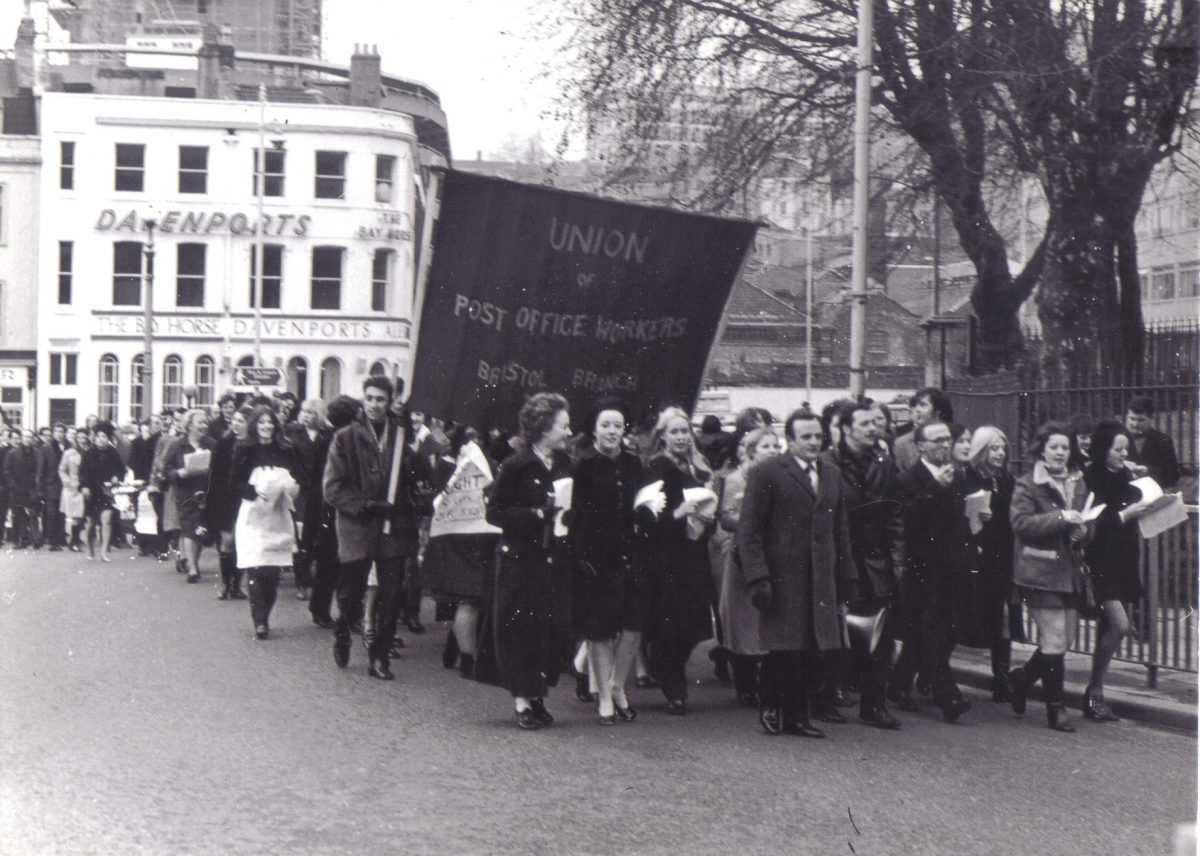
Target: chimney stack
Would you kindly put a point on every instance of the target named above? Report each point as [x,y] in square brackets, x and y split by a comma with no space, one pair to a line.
[366,77]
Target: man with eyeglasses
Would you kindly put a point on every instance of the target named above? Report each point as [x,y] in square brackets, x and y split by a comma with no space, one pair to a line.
[936,540]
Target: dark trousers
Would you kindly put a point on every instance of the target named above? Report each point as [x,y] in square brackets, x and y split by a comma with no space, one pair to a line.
[928,644]
[54,524]
[262,586]
[745,673]
[873,670]
[671,654]
[410,603]
[785,681]
[352,588]
[25,525]
[325,579]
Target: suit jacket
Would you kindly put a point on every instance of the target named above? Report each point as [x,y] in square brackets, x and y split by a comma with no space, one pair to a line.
[801,543]
[873,510]
[49,485]
[936,533]
[1157,456]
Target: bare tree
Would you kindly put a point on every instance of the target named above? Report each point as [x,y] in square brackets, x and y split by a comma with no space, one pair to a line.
[1085,95]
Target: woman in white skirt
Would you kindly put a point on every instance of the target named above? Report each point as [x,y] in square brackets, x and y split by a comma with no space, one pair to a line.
[266,477]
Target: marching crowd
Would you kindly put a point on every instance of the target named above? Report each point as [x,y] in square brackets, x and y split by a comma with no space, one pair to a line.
[809,548]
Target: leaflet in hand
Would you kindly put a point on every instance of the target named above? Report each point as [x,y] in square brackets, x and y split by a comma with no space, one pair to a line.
[197,461]
[1091,512]
[978,502]
[706,507]
[563,490]
[651,497]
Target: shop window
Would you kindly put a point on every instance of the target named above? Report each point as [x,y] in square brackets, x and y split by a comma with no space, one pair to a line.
[326,278]
[62,410]
[131,167]
[64,369]
[331,378]
[193,169]
[66,252]
[109,388]
[127,273]
[331,175]
[385,177]
[189,275]
[172,384]
[206,381]
[66,165]
[137,388]
[297,377]
[272,288]
[380,266]
[272,172]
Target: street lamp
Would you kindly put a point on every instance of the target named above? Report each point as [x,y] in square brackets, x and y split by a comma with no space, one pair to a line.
[150,223]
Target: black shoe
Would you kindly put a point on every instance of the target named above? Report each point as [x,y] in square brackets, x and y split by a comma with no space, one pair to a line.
[830,715]
[54,548]
[677,707]
[341,650]
[721,670]
[397,649]
[1017,690]
[903,700]
[1056,717]
[368,640]
[647,682]
[954,709]
[261,631]
[840,699]
[802,729]
[237,594]
[181,565]
[223,593]
[381,670]
[193,578]
[450,652]
[527,721]
[325,622]
[1095,709]
[625,714]
[466,665]
[607,720]
[414,625]
[879,718]
[582,691]
[538,706]
[771,720]
[748,699]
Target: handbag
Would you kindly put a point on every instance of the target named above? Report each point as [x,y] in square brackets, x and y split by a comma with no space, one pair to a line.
[1089,605]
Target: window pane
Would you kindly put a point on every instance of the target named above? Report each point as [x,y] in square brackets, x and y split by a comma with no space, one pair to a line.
[331,171]
[193,169]
[326,278]
[66,251]
[130,166]
[72,366]
[193,157]
[172,381]
[66,172]
[127,273]
[273,186]
[55,369]
[379,280]
[109,390]
[206,384]
[189,280]
[331,379]
[272,275]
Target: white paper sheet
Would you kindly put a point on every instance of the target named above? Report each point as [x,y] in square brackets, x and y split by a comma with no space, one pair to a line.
[651,497]
[563,490]
[979,501]
[197,461]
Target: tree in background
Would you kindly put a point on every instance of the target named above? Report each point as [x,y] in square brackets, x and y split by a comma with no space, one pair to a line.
[1086,96]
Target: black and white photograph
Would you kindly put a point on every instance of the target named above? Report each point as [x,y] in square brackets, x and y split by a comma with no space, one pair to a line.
[599,427]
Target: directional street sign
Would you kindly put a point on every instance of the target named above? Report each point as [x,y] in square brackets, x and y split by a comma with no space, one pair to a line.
[257,376]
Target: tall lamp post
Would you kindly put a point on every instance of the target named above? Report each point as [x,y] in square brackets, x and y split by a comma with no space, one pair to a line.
[150,224]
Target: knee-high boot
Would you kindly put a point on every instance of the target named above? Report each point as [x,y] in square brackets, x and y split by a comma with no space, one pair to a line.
[1021,679]
[225,563]
[1052,681]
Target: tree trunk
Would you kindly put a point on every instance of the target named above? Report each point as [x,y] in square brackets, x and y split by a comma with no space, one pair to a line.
[1077,300]
[1133,333]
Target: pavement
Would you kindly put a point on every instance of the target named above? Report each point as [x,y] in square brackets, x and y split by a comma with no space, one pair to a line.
[139,715]
[1171,703]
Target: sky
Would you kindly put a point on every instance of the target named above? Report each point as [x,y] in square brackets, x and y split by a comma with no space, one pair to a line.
[481,56]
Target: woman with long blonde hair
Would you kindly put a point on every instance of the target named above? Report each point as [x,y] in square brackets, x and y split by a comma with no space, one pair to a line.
[677,553]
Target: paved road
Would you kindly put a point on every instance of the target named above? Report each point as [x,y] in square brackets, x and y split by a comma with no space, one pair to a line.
[137,715]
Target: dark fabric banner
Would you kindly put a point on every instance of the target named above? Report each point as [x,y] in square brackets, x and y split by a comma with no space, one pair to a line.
[532,289]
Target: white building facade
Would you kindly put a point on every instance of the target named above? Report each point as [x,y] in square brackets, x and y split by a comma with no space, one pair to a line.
[338,238]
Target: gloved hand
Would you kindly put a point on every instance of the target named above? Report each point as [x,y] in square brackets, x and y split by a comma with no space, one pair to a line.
[762,596]
[379,508]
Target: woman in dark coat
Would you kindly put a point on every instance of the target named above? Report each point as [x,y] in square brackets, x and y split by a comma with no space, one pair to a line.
[531,598]
[310,437]
[1050,536]
[264,533]
[221,505]
[456,569]
[990,621]
[608,588]
[189,486]
[1112,555]
[100,467]
[677,560]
